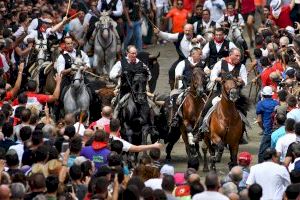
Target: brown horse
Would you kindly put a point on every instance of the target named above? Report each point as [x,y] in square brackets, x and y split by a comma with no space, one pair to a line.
[225,126]
[191,109]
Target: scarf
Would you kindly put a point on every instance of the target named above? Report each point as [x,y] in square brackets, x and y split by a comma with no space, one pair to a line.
[276,8]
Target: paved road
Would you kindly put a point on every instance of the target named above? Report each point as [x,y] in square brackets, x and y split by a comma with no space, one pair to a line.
[179,157]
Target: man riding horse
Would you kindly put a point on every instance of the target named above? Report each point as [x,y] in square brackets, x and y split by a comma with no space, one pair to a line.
[126,69]
[69,57]
[183,75]
[229,65]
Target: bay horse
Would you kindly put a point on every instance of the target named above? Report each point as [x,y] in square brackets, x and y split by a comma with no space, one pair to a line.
[105,45]
[225,125]
[191,110]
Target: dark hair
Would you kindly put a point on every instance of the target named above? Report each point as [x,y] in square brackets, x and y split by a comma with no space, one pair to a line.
[264,61]
[22,17]
[159,194]
[271,57]
[101,136]
[86,166]
[269,153]
[291,101]
[193,162]
[52,183]
[114,159]
[282,95]
[206,10]
[212,181]
[116,146]
[280,118]
[70,131]
[22,98]
[168,183]
[295,176]
[195,188]
[219,30]
[31,85]
[292,191]
[289,124]
[39,126]
[137,181]
[154,154]
[12,159]
[147,193]
[75,145]
[25,115]
[37,137]
[259,39]
[297,128]
[255,191]
[7,129]
[257,53]
[114,125]
[101,184]
[37,181]
[53,153]
[41,153]
[75,172]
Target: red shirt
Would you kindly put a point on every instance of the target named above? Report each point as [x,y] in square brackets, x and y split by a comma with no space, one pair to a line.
[265,77]
[188,5]
[247,6]
[277,66]
[284,19]
[41,98]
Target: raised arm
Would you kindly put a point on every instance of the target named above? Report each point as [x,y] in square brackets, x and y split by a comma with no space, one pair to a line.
[17,86]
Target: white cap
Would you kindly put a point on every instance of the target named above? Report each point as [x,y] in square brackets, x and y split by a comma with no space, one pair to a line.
[290,29]
[267,90]
[167,169]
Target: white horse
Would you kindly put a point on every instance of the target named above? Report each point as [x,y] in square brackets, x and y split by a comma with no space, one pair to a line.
[105,45]
[34,70]
[77,97]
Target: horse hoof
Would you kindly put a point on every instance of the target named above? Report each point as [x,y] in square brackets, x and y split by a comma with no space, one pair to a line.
[205,169]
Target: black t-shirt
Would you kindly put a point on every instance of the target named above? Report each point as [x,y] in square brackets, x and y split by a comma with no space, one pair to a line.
[133,9]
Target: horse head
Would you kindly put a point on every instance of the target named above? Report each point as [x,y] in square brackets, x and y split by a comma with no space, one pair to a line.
[104,25]
[41,47]
[198,81]
[230,88]
[78,79]
[139,84]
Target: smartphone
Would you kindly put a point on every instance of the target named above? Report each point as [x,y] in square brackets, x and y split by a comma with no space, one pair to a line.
[69,188]
[64,147]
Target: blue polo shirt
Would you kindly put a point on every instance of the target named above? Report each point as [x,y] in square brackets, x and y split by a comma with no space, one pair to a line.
[278,133]
[265,108]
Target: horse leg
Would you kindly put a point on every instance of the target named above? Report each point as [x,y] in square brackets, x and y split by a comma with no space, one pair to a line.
[220,148]
[204,148]
[172,139]
[233,155]
[197,146]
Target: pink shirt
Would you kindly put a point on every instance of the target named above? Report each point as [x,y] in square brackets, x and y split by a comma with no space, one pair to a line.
[103,121]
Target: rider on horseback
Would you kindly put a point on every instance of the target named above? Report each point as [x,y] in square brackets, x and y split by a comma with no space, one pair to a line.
[231,65]
[69,57]
[126,69]
[183,73]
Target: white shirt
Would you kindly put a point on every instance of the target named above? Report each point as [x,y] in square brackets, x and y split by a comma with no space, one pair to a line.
[272,177]
[209,195]
[81,128]
[173,37]
[283,144]
[117,70]
[161,3]
[34,35]
[180,68]
[206,50]
[19,32]
[294,114]
[216,70]
[154,183]
[19,148]
[216,7]
[119,7]
[205,25]
[76,27]
[240,22]
[5,64]
[126,145]
[60,62]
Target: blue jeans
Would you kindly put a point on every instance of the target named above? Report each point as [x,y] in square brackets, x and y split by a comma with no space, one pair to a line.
[136,31]
[264,144]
